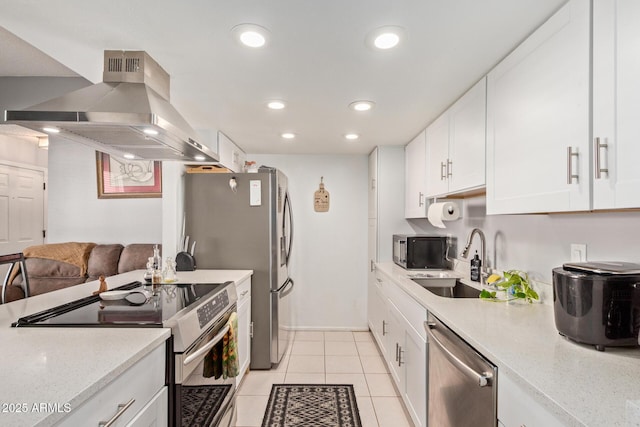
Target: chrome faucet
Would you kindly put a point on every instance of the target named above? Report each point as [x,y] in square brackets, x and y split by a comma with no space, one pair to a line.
[483,255]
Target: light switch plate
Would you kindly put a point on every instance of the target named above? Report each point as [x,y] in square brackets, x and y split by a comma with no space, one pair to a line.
[578,252]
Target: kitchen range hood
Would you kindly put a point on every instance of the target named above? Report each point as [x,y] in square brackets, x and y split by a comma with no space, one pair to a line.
[128,114]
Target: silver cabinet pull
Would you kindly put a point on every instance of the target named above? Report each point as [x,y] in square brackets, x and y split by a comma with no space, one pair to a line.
[121,409]
[599,168]
[373,266]
[243,293]
[449,168]
[420,199]
[443,175]
[483,379]
[400,353]
[384,328]
[570,174]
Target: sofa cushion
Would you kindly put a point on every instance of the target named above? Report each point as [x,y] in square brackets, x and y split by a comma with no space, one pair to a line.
[135,257]
[103,261]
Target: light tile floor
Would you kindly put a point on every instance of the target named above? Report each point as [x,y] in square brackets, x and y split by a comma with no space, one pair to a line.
[328,358]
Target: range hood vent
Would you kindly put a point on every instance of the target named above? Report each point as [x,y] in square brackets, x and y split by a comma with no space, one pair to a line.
[128,114]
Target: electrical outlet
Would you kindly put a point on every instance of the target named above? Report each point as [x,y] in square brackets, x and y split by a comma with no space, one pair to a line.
[578,252]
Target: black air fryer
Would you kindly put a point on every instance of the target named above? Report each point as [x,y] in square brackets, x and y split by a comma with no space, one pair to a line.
[598,303]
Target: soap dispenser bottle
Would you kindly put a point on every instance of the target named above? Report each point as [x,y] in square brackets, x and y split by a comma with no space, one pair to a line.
[476,264]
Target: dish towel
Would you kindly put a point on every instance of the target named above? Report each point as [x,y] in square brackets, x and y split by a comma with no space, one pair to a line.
[222,359]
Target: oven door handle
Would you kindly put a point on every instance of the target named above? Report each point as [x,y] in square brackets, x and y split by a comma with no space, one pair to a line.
[208,346]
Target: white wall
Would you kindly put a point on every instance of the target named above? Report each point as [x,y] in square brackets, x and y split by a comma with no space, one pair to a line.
[539,243]
[329,257]
[76,213]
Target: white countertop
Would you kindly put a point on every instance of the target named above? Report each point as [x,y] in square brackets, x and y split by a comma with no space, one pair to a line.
[68,365]
[579,385]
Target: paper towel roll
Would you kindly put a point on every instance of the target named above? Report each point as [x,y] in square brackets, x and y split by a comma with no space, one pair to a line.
[444,211]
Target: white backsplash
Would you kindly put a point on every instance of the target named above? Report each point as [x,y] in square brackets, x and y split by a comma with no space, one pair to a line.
[538,243]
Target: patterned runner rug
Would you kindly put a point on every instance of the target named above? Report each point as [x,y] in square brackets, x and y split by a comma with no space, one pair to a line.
[312,405]
[200,404]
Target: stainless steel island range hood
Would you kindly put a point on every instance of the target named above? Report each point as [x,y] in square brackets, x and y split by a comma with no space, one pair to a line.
[128,114]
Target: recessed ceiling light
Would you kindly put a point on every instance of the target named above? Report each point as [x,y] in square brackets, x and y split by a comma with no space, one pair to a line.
[51,130]
[149,131]
[251,35]
[352,136]
[387,37]
[288,135]
[199,157]
[361,105]
[129,156]
[276,105]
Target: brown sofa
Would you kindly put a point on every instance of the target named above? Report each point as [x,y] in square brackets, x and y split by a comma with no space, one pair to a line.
[46,275]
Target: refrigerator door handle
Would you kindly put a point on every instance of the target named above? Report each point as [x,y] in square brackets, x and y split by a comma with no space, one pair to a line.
[287,282]
[287,204]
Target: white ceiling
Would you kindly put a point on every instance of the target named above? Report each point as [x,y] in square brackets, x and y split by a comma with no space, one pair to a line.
[316,60]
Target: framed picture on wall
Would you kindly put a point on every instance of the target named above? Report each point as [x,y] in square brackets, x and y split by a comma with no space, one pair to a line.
[122,178]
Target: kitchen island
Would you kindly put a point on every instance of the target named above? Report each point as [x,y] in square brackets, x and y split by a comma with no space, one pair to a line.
[576,384]
[47,373]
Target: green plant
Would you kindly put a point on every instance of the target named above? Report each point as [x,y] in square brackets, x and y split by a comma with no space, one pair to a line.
[517,286]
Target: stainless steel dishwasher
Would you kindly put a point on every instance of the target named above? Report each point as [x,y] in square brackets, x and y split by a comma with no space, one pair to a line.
[462,384]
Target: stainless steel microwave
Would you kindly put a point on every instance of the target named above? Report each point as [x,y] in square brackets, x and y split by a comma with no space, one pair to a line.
[419,252]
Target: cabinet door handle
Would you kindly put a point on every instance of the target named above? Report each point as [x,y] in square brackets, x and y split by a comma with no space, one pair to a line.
[599,168]
[449,168]
[384,328]
[570,174]
[243,293]
[420,199]
[443,175]
[121,409]
[400,353]
[373,183]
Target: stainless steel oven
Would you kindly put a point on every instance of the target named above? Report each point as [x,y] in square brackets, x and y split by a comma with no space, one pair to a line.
[198,315]
[200,400]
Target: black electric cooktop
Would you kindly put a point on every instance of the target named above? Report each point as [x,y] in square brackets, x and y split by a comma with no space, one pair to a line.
[93,311]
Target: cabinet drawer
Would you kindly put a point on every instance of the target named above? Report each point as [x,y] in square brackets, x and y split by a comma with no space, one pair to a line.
[138,383]
[517,407]
[413,312]
[244,291]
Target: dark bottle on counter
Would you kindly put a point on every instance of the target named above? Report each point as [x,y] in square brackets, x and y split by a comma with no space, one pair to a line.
[476,264]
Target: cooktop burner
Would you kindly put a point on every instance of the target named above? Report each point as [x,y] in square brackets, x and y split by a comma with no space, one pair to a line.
[93,311]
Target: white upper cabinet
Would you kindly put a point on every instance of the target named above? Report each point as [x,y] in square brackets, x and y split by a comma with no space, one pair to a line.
[616,103]
[415,204]
[456,145]
[538,145]
[231,156]
[437,156]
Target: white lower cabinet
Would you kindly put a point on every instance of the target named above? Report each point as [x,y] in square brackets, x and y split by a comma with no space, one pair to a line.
[517,408]
[402,344]
[139,395]
[244,327]
[377,313]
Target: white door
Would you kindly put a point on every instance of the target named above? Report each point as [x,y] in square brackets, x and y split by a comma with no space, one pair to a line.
[373,184]
[616,102]
[537,110]
[415,203]
[437,136]
[21,208]
[467,125]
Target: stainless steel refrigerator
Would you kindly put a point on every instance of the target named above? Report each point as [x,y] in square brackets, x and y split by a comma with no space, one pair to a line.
[244,221]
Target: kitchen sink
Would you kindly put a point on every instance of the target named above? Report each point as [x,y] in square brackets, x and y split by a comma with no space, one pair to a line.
[460,290]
